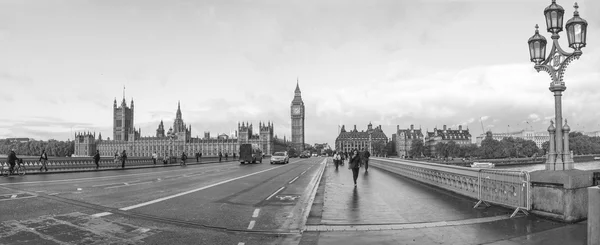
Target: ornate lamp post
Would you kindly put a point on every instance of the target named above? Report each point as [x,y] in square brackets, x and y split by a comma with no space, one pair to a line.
[559,157]
[171,136]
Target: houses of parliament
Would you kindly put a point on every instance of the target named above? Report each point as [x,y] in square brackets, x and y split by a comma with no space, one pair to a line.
[179,138]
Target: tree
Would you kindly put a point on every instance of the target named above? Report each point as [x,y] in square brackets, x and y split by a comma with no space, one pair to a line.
[441,150]
[417,148]
[378,147]
[545,147]
[453,149]
[491,148]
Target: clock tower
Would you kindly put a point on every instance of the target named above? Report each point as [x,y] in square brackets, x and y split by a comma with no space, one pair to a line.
[297,110]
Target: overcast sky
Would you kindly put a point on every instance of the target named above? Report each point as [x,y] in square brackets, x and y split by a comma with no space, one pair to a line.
[427,63]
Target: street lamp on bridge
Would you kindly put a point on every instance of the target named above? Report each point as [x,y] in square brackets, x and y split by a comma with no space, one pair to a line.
[559,157]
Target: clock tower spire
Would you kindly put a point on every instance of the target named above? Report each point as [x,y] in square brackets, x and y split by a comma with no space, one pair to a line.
[297,111]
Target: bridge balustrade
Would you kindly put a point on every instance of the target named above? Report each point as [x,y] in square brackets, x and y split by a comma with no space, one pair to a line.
[503,187]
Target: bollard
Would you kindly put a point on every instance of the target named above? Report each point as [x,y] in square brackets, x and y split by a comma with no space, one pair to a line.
[593,216]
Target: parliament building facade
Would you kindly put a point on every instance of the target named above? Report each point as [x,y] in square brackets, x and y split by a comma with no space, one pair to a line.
[173,142]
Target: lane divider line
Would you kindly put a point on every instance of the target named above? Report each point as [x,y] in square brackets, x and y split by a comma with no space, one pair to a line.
[241,243]
[251,225]
[274,193]
[255,214]
[13,196]
[294,179]
[101,214]
[195,190]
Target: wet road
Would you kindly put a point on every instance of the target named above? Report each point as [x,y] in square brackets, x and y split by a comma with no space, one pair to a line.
[219,203]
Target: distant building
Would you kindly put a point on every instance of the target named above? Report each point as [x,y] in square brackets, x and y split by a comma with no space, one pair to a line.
[592,134]
[403,139]
[18,140]
[538,137]
[353,139]
[445,135]
[177,140]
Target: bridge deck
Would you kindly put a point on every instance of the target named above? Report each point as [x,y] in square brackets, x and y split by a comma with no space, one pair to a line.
[385,208]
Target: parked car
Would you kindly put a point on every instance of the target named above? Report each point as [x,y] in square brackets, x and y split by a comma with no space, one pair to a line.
[250,153]
[280,157]
[304,155]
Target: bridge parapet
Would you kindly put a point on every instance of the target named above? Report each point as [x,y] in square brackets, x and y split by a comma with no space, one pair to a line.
[503,187]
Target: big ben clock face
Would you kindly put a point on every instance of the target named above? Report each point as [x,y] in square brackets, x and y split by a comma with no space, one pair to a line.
[296,110]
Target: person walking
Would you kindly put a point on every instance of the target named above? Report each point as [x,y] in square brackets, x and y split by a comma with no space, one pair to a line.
[366,156]
[12,160]
[336,159]
[197,156]
[234,156]
[97,159]
[123,158]
[116,159]
[154,157]
[183,157]
[354,164]
[220,156]
[44,160]
[226,156]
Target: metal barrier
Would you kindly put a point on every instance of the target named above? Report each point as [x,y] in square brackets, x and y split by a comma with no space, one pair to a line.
[503,187]
[596,178]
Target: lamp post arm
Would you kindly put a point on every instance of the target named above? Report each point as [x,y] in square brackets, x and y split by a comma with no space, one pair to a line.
[557,62]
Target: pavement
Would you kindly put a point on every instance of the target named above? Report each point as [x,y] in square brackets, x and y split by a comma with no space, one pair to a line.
[304,202]
[385,208]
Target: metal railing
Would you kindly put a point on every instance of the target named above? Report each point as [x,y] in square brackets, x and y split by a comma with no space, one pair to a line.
[504,187]
[56,165]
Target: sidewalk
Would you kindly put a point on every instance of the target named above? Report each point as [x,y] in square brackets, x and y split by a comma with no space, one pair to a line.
[386,208]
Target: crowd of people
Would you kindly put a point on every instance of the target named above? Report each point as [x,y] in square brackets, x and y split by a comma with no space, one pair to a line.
[355,159]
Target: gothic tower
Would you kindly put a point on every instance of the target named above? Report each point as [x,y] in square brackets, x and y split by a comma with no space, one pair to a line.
[245,133]
[160,132]
[122,120]
[297,111]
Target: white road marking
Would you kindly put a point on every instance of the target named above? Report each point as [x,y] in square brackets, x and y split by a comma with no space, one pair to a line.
[79,189]
[101,214]
[255,214]
[251,225]
[52,194]
[10,199]
[294,179]
[141,230]
[304,172]
[195,190]
[126,184]
[277,191]
[241,243]
[13,196]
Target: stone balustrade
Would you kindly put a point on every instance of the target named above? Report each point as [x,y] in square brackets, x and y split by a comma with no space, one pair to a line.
[504,187]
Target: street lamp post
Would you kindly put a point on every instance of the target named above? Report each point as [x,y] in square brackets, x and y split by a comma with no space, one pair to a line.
[171,136]
[559,157]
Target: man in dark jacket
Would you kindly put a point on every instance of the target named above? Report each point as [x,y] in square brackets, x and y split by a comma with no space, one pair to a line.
[366,156]
[220,156]
[97,159]
[123,158]
[44,160]
[12,160]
